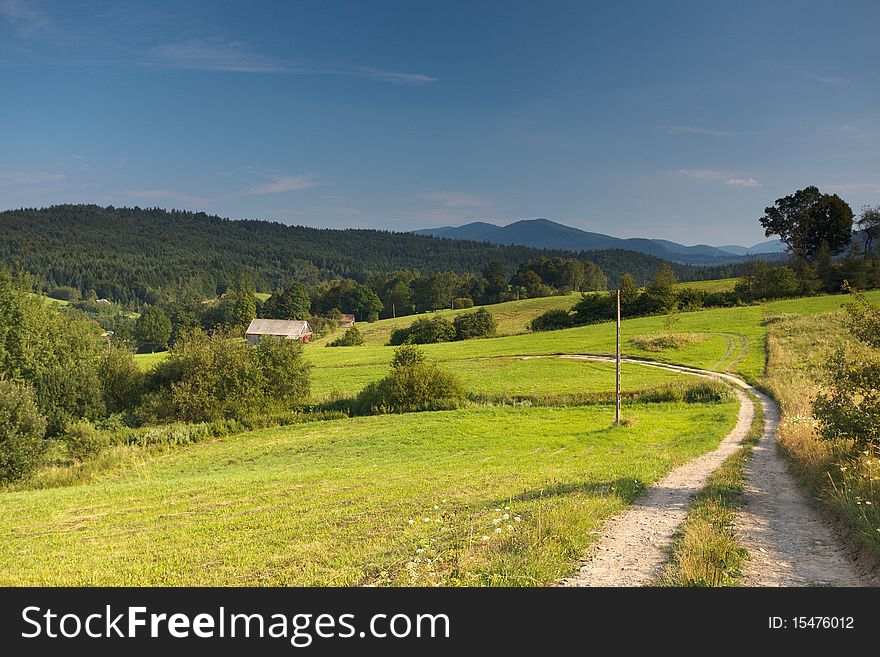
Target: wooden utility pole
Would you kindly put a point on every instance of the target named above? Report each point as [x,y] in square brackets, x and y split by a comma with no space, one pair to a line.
[617,387]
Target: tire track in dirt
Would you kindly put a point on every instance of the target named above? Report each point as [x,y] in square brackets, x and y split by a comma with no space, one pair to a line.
[789,541]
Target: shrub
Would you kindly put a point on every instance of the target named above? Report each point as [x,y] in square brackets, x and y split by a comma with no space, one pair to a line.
[850,406]
[408,355]
[552,320]
[462,302]
[424,331]
[22,427]
[595,307]
[84,441]
[480,324]
[664,341]
[412,385]
[706,391]
[351,338]
[209,378]
[122,380]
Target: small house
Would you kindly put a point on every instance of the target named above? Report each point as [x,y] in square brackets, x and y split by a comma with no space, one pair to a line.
[346,321]
[289,329]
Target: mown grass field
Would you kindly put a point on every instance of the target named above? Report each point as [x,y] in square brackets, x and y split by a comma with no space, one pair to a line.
[728,338]
[331,503]
[513,318]
[717,285]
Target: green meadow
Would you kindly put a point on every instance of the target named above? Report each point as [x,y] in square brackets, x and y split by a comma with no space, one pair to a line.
[507,491]
[331,503]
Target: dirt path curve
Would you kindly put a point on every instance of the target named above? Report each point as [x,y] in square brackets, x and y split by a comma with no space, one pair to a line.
[788,541]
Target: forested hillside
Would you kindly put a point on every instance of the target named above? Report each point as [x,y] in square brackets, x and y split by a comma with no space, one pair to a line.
[127,254]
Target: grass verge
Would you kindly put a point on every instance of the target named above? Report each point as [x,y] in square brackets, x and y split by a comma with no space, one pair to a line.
[845,479]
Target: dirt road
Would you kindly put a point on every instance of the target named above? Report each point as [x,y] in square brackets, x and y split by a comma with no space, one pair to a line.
[789,541]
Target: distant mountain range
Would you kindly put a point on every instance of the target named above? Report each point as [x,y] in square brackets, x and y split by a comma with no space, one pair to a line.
[546,234]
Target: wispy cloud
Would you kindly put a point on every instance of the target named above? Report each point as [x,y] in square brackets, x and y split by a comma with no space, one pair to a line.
[695,130]
[393,77]
[834,80]
[26,178]
[25,17]
[203,55]
[238,57]
[743,182]
[283,184]
[715,175]
[458,200]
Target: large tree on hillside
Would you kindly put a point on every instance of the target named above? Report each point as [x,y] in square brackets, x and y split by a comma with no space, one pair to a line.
[806,219]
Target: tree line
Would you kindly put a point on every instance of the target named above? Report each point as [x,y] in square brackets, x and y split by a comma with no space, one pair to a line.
[137,256]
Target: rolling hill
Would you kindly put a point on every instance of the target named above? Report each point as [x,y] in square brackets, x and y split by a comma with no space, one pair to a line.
[133,255]
[546,234]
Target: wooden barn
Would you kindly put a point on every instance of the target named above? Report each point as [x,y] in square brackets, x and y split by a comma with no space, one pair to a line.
[289,329]
[346,321]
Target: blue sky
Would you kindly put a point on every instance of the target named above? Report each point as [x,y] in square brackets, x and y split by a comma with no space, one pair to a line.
[679,120]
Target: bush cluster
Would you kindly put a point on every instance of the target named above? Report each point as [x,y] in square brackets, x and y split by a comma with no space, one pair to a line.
[412,385]
[351,338]
[479,324]
[22,427]
[207,378]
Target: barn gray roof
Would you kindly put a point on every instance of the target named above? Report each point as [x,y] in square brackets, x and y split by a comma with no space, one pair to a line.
[289,328]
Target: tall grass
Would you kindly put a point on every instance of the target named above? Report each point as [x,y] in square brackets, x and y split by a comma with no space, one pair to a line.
[845,479]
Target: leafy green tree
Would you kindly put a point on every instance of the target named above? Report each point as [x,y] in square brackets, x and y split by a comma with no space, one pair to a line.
[364,304]
[184,316]
[629,293]
[21,431]
[285,372]
[594,278]
[293,302]
[496,280]
[240,305]
[57,355]
[660,294]
[398,299]
[807,218]
[153,329]
[407,356]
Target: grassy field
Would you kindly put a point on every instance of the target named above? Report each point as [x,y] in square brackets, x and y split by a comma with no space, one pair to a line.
[513,317]
[717,285]
[331,503]
[729,338]
[502,377]
[842,477]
